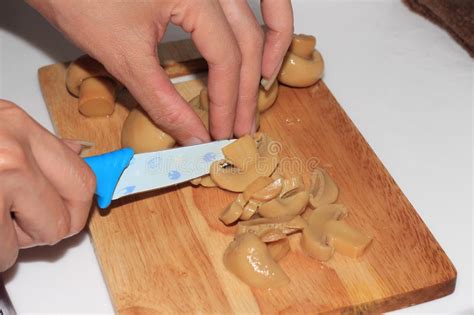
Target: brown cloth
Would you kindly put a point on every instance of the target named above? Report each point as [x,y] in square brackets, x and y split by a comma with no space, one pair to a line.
[456,16]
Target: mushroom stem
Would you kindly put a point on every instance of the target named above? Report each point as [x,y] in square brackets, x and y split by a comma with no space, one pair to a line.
[303,45]
[97,96]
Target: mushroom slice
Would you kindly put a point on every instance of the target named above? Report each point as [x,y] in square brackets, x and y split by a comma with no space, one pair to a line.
[287,224]
[289,206]
[345,239]
[249,209]
[292,185]
[233,211]
[206,181]
[279,249]
[314,240]
[237,179]
[270,191]
[272,235]
[248,258]
[257,185]
[322,189]
[196,181]
[241,153]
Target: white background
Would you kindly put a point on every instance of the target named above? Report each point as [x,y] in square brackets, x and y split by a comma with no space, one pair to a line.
[404,82]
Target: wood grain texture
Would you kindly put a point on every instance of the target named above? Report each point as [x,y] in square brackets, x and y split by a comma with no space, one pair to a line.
[180,58]
[161,252]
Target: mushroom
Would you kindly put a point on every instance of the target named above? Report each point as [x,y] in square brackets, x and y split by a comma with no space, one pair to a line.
[322,189]
[88,80]
[326,233]
[272,235]
[266,98]
[257,185]
[233,211]
[268,192]
[141,134]
[248,258]
[279,249]
[303,65]
[289,206]
[249,210]
[292,185]
[246,159]
[205,181]
[286,224]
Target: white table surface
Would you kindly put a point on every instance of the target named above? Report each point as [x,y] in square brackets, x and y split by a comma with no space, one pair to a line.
[404,82]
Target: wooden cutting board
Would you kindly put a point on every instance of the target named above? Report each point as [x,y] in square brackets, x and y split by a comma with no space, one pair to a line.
[161,251]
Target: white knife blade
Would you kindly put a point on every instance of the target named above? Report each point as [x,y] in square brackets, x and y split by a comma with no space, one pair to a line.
[153,170]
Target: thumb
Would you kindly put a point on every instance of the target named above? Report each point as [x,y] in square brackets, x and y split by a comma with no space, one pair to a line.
[152,88]
[78,146]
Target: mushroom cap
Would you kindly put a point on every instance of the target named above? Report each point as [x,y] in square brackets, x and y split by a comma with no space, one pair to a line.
[248,258]
[232,212]
[268,192]
[286,224]
[82,68]
[289,206]
[140,133]
[279,249]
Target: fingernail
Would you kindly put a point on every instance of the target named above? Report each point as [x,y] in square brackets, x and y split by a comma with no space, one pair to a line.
[85,146]
[267,83]
[253,130]
[193,141]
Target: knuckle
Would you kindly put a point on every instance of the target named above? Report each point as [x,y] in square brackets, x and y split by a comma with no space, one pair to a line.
[170,118]
[12,156]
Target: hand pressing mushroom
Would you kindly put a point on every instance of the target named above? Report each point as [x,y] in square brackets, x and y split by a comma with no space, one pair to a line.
[88,80]
[141,134]
[248,258]
[303,65]
[326,233]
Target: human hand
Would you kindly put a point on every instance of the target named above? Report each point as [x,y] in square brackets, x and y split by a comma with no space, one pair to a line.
[45,188]
[122,35]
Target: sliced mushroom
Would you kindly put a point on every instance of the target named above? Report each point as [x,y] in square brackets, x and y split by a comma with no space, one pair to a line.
[141,134]
[322,189]
[345,239]
[289,206]
[233,211]
[314,239]
[266,98]
[326,233]
[250,209]
[248,258]
[242,153]
[257,185]
[88,80]
[270,191]
[206,181]
[227,176]
[272,235]
[292,185]
[287,224]
[303,65]
[279,249]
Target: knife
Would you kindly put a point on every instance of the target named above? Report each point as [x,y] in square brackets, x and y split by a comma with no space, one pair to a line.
[122,173]
[6,306]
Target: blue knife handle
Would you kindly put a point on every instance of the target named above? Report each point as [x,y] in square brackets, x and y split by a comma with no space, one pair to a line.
[108,168]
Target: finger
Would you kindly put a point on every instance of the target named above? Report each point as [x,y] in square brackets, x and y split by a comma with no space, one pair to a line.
[66,176]
[215,40]
[78,146]
[249,37]
[278,17]
[148,82]
[38,209]
[8,240]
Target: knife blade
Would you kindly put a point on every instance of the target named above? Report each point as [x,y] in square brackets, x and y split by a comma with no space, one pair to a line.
[122,173]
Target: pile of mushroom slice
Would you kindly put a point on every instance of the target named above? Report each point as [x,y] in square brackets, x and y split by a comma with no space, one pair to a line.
[269,208]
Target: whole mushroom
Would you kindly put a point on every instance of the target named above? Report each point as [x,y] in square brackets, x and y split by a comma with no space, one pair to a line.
[88,80]
[303,65]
